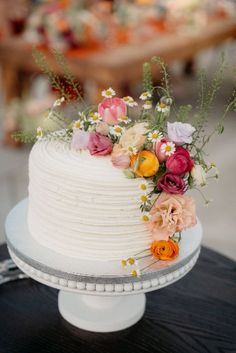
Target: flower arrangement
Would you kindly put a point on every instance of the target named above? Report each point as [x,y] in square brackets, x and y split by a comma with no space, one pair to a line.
[168,157]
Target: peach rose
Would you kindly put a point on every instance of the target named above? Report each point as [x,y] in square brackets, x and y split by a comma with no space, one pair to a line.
[170,214]
[148,164]
[119,158]
[134,136]
[165,250]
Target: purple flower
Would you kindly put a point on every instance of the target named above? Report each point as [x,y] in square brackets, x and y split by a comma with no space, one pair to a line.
[80,139]
[180,133]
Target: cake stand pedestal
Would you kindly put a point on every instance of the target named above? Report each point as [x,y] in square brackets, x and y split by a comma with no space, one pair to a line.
[93,296]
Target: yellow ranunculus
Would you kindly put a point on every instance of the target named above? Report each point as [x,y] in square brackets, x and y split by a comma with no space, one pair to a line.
[147,165]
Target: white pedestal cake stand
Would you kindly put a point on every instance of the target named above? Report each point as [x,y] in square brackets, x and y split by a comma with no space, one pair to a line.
[93,295]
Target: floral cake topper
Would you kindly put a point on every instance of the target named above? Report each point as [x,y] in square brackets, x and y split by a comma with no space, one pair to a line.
[151,139]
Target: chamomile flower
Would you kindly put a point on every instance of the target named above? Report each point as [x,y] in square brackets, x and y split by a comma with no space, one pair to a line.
[147,105]
[123,263]
[130,101]
[116,130]
[146,217]
[39,133]
[78,124]
[136,273]
[145,95]
[94,118]
[163,108]
[132,261]
[155,136]
[143,199]
[124,119]
[82,115]
[108,93]
[132,150]
[168,148]
[58,102]
[143,186]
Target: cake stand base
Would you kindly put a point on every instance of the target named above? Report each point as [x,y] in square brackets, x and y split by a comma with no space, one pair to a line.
[101,313]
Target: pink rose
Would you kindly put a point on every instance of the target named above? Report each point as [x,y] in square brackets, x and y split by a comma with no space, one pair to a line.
[180,162]
[171,183]
[170,214]
[162,156]
[99,145]
[80,139]
[112,109]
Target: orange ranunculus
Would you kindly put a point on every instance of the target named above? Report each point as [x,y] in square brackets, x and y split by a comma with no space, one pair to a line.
[165,249]
[148,164]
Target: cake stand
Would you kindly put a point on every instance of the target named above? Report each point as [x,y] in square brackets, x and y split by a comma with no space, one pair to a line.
[92,295]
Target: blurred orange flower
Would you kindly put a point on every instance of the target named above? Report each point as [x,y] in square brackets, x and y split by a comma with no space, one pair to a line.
[165,250]
[145,164]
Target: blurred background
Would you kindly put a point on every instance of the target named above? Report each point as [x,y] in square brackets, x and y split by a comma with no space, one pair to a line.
[105,44]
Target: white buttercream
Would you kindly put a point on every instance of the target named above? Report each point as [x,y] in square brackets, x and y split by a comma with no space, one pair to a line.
[82,206]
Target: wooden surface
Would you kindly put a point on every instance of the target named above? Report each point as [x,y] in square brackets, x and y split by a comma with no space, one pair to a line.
[195,315]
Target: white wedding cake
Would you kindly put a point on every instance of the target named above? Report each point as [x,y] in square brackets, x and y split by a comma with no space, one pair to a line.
[82,206]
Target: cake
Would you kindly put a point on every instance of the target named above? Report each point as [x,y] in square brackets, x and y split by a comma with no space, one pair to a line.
[82,206]
[107,188]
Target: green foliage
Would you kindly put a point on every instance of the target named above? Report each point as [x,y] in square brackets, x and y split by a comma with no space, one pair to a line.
[183,113]
[164,75]
[54,79]
[207,95]
[24,137]
[147,78]
[68,76]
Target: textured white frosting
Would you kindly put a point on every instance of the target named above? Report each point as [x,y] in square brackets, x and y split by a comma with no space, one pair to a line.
[82,206]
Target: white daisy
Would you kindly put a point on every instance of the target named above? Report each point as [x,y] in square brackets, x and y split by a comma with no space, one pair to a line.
[163,108]
[155,136]
[143,199]
[145,95]
[143,186]
[94,118]
[108,93]
[146,217]
[123,263]
[136,273]
[39,133]
[132,150]
[130,101]
[58,102]
[168,148]
[116,130]
[132,261]
[78,124]
[124,119]
[147,105]
[82,115]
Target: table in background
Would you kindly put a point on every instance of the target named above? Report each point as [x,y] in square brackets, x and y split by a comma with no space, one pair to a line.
[117,67]
[195,315]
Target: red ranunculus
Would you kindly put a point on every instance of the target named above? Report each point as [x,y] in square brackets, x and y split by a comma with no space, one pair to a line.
[99,145]
[171,183]
[180,162]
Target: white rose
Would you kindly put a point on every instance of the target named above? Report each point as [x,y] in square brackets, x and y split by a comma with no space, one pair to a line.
[180,133]
[199,175]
